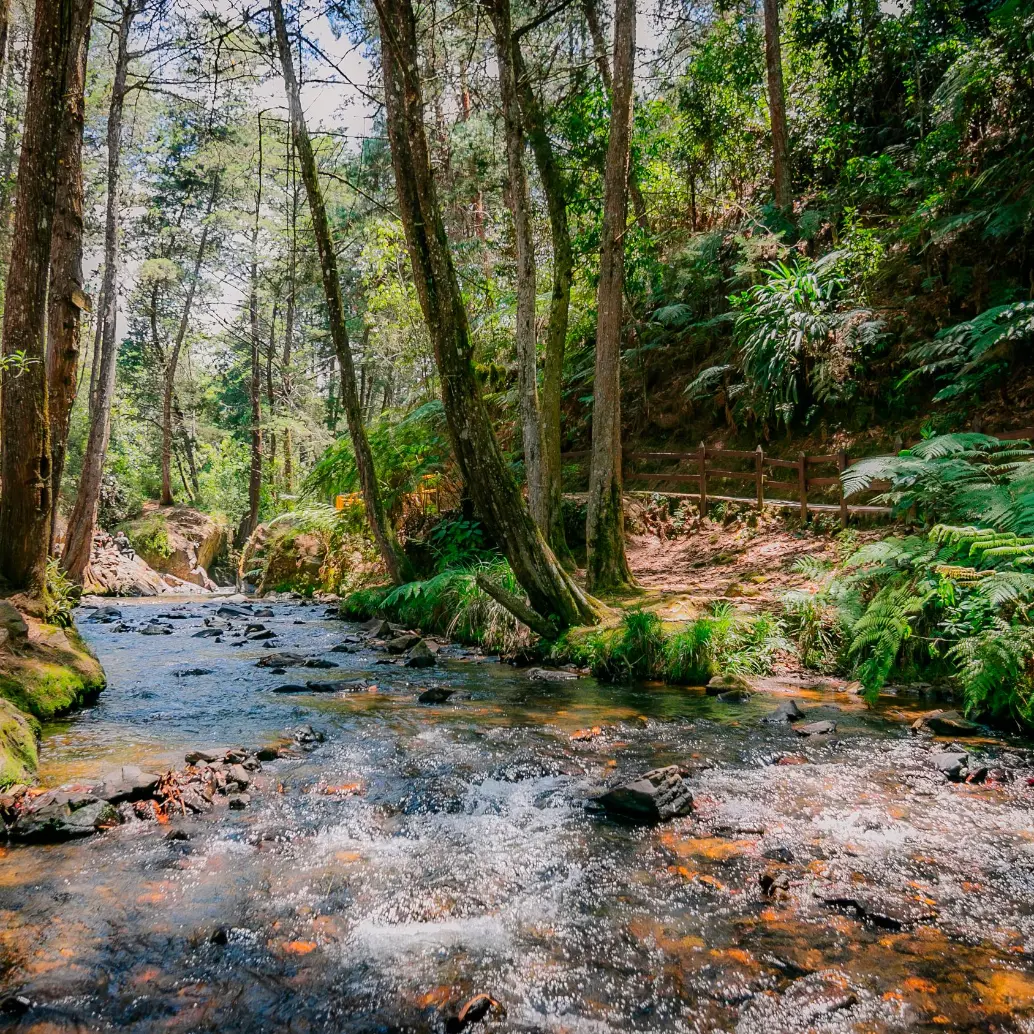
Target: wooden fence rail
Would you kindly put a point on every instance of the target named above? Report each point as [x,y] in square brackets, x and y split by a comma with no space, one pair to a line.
[755,466]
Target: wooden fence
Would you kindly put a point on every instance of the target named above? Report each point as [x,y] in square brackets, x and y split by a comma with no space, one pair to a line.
[808,483]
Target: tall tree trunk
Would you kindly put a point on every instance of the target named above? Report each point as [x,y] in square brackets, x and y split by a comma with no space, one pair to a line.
[26,500]
[14,88]
[520,209]
[607,566]
[172,362]
[500,504]
[777,107]
[81,523]
[67,301]
[555,190]
[396,562]
[599,47]
[255,389]
[292,261]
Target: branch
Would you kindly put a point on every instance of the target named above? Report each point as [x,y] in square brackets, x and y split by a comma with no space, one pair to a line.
[517,607]
[541,19]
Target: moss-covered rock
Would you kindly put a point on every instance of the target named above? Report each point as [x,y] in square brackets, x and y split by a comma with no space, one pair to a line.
[180,541]
[51,674]
[19,737]
[43,675]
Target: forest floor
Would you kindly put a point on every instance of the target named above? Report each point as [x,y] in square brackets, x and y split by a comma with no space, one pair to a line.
[747,561]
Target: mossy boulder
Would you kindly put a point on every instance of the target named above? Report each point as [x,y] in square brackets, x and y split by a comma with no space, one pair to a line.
[179,541]
[44,674]
[19,739]
[52,673]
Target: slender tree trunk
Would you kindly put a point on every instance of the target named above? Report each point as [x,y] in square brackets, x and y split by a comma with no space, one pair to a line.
[555,190]
[5,31]
[255,475]
[500,504]
[599,46]
[14,89]
[26,468]
[81,523]
[520,209]
[285,375]
[172,362]
[777,107]
[607,566]
[67,301]
[398,566]
[188,447]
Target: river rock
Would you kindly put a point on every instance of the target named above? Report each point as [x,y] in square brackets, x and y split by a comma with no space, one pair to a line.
[341,686]
[473,1011]
[824,728]
[344,648]
[550,675]
[281,659]
[230,612]
[952,764]
[435,695]
[239,801]
[254,627]
[12,622]
[259,637]
[420,656]
[377,628]
[656,796]
[735,696]
[788,711]
[727,683]
[127,783]
[876,907]
[156,629]
[208,633]
[263,612]
[946,723]
[190,673]
[307,736]
[319,662]
[61,815]
[402,643]
[105,615]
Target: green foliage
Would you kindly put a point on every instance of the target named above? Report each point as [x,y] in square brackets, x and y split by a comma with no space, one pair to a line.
[151,538]
[452,604]
[955,602]
[405,449]
[640,647]
[60,596]
[457,541]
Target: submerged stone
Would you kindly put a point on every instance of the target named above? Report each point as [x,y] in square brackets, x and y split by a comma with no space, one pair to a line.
[788,711]
[946,723]
[402,643]
[281,659]
[127,783]
[824,728]
[435,695]
[550,675]
[656,796]
[952,764]
[377,628]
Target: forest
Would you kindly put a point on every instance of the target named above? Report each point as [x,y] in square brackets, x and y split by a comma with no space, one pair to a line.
[377,274]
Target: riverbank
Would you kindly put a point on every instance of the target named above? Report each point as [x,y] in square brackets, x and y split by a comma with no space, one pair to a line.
[45,672]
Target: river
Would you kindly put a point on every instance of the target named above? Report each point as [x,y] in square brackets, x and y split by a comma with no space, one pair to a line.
[425,854]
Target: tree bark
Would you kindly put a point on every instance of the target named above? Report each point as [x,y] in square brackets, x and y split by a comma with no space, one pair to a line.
[255,389]
[26,473]
[777,108]
[83,519]
[599,47]
[67,301]
[555,190]
[551,592]
[520,209]
[397,564]
[14,88]
[607,566]
[172,362]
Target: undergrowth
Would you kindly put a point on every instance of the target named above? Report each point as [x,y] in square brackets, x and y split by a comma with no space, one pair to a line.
[640,647]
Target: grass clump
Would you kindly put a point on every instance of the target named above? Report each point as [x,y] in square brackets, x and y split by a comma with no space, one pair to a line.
[641,648]
[151,538]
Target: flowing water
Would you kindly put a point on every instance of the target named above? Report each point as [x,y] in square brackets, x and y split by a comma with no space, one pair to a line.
[465,860]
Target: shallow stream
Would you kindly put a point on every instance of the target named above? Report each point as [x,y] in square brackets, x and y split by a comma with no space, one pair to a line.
[424,854]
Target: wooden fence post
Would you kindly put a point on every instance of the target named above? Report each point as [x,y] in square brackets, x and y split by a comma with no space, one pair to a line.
[702,460]
[841,467]
[759,477]
[802,485]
